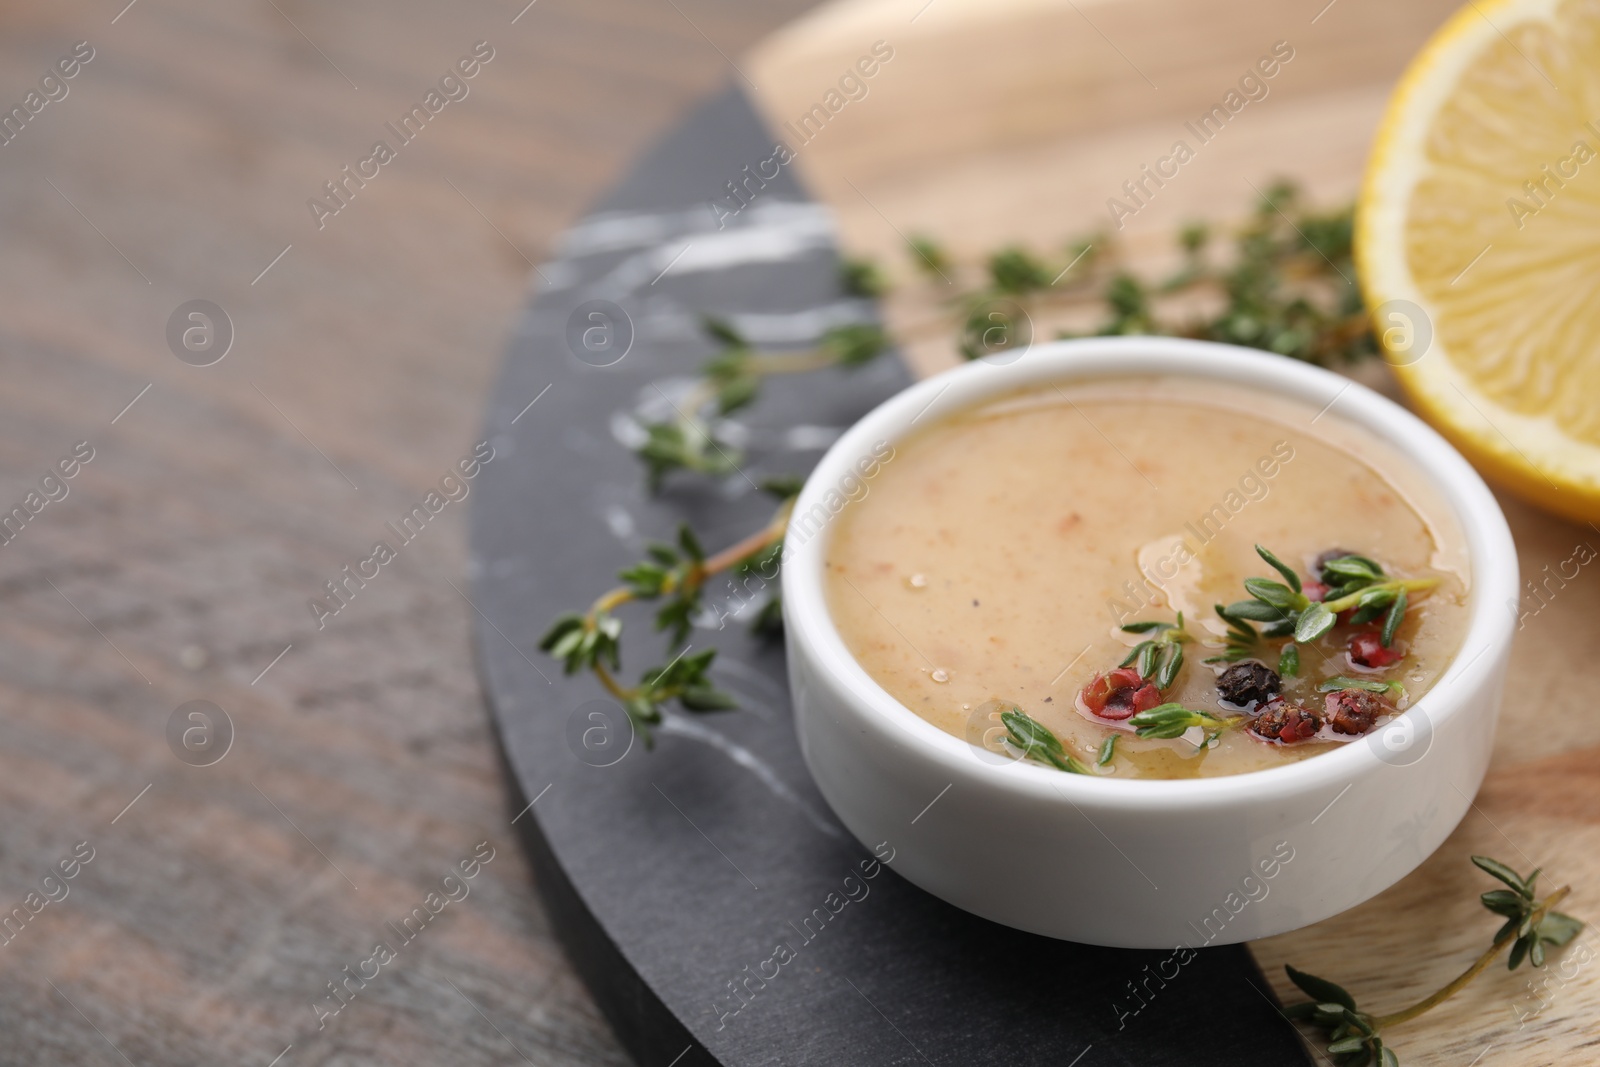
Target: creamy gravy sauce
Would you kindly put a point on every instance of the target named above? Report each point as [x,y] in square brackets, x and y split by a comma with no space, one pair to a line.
[995,555]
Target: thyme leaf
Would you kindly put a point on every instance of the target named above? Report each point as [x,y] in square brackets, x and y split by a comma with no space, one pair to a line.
[1391,622]
[1312,622]
[1174,720]
[1160,657]
[1242,641]
[1281,567]
[1036,741]
[1370,685]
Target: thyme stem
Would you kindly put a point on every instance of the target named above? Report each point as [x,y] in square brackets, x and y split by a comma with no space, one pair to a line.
[613,599]
[731,380]
[1344,603]
[761,539]
[1461,981]
[793,362]
[704,391]
[610,684]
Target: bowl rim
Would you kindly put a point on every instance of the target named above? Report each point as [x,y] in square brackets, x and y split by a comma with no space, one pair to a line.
[1491,557]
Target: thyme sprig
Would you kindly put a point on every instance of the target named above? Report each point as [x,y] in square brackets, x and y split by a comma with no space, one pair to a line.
[1159,657]
[1284,288]
[674,575]
[1358,583]
[732,379]
[1036,741]
[1355,1038]
[1171,720]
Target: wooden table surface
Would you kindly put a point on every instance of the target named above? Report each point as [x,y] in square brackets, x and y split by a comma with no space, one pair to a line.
[220,901]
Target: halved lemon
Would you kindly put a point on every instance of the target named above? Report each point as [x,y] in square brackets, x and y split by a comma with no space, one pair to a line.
[1478,243]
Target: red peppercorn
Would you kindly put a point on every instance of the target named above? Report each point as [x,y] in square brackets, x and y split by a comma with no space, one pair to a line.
[1101,686]
[1124,677]
[1119,694]
[1314,591]
[1097,691]
[1285,723]
[1145,698]
[1353,711]
[1366,650]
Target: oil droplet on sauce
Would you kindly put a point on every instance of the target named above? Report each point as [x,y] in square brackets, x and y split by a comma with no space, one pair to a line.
[918,581]
[940,675]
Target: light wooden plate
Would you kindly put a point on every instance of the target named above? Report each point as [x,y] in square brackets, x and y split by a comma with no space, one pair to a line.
[1000,121]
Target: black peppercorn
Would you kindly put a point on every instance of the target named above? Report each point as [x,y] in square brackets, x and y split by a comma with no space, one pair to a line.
[1249,683]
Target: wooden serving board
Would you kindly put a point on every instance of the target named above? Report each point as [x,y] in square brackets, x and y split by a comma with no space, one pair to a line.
[998,121]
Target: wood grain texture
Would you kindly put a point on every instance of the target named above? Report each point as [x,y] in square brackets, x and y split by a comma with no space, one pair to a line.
[1014,122]
[218,906]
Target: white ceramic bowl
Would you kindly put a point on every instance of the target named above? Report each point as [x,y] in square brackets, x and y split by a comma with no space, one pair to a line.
[1142,863]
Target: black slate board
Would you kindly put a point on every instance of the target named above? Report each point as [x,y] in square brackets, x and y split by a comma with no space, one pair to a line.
[674,873]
